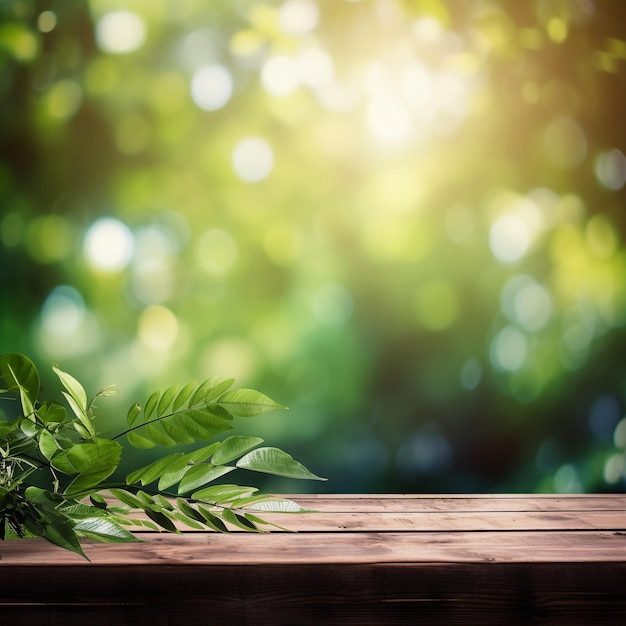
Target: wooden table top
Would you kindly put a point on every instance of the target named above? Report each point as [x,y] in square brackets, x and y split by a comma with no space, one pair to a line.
[383,528]
[366,559]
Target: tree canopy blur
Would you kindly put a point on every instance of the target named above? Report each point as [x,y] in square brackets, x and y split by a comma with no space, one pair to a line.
[402,218]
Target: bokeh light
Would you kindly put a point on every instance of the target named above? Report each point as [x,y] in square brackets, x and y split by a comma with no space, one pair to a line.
[610,168]
[298,16]
[108,244]
[279,76]
[65,327]
[509,349]
[404,220]
[158,328]
[120,32]
[212,87]
[253,159]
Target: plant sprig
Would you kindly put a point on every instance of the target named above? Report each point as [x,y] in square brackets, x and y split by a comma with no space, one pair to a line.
[63,448]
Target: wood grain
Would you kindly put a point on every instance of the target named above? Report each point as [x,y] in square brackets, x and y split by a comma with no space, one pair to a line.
[456,503]
[394,559]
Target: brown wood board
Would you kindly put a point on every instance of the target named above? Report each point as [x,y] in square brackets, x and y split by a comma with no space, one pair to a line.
[390,559]
[448,503]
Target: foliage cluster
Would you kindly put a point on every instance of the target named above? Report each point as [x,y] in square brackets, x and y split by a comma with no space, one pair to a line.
[62,448]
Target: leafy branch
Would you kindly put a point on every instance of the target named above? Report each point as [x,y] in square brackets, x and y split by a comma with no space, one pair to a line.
[64,447]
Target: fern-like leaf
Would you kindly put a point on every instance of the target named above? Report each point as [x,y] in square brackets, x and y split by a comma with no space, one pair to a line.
[181,415]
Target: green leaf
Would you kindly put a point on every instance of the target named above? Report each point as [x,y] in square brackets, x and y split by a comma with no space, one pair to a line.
[160,437]
[81,430]
[48,445]
[177,431]
[62,534]
[91,461]
[148,500]
[233,447]
[257,520]
[84,427]
[217,390]
[212,520]
[9,429]
[133,412]
[98,501]
[189,521]
[78,510]
[51,523]
[163,502]
[138,523]
[74,388]
[30,429]
[127,498]
[167,398]
[151,403]
[43,497]
[175,472]
[137,441]
[82,457]
[200,475]
[183,396]
[186,426]
[269,504]
[202,390]
[161,519]
[239,521]
[22,378]
[223,493]
[247,402]
[275,461]
[50,413]
[103,530]
[151,472]
[188,510]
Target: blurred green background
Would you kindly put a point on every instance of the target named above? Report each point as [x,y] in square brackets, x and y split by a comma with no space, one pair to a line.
[402,219]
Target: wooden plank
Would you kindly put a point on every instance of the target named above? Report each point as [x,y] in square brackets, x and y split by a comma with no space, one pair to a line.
[360,594]
[457,496]
[375,513]
[403,521]
[345,547]
[389,503]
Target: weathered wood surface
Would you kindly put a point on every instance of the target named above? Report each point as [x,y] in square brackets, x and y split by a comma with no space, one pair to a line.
[385,559]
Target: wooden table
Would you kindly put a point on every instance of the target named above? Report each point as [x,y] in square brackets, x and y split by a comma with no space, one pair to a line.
[382,559]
